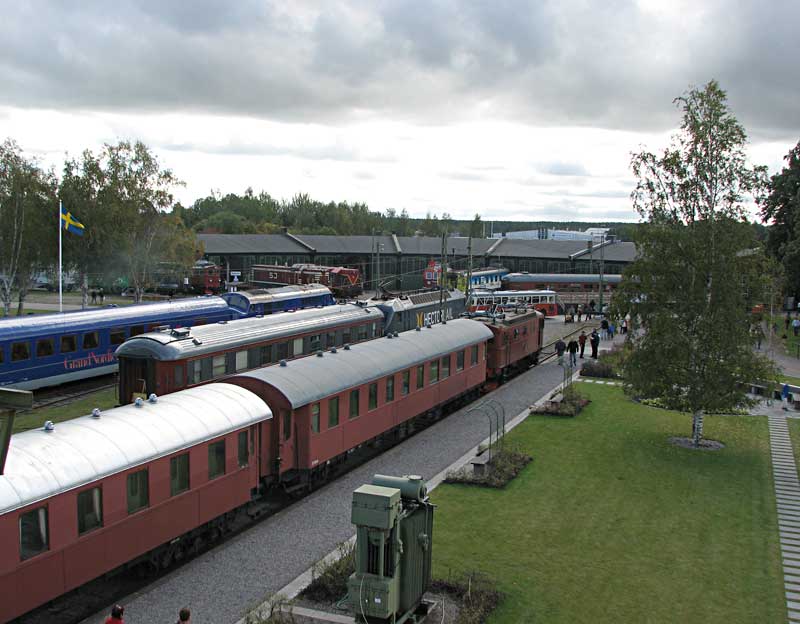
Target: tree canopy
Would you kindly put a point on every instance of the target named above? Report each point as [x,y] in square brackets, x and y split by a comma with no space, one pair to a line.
[699,265]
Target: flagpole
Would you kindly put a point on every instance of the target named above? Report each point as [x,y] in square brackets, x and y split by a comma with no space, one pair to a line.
[60,300]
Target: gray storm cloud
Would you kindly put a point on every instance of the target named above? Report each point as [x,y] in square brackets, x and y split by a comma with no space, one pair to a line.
[611,65]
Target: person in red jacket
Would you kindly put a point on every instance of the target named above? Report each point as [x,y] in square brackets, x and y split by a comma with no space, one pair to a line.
[582,342]
[117,612]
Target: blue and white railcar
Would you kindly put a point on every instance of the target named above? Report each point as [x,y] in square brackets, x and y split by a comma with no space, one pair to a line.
[50,349]
[270,300]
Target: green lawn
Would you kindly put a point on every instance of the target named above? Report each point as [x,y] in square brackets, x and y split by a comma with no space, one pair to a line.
[28,310]
[611,523]
[104,399]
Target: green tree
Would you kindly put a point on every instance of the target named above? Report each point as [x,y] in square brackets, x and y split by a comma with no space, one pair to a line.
[781,208]
[698,265]
[476,227]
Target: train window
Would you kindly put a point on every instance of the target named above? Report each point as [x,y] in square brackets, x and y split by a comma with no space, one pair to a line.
[179,474]
[194,371]
[137,329]
[20,351]
[346,336]
[266,355]
[420,376]
[297,347]
[116,336]
[216,459]
[178,376]
[406,382]
[473,356]
[45,347]
[390,388]
[333,412]
[374,328]
[218,365]
[330,340]
[254,357]
[373,396]
[33,534]
[287,424]
[445,367]
[283,350]
[138,491]
[460,361]
[315,418]
[241,360]
[434,371]
[90,510]
[355,396]
[1,354]
[90,340]
[244,456]
[315,343]
[362,332]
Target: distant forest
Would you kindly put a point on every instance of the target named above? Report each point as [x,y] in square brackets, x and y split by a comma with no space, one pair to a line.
[252,213]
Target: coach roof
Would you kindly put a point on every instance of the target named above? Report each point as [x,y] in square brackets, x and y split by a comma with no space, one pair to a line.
[83,450]
[176,345]
[310,379]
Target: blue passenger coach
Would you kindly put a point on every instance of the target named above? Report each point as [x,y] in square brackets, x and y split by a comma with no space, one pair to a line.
[269,300]
[49,349]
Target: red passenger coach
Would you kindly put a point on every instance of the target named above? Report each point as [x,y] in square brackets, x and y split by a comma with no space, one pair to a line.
[98,492]
[326,406]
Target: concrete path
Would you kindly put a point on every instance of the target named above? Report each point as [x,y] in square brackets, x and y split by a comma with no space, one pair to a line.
[787,495]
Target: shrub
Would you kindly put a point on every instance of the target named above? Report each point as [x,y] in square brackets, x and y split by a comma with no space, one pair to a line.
[506,464]
[329,580]
[597,368]
[280,612]
[476,592]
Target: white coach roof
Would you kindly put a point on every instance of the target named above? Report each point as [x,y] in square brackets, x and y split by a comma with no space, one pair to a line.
[77,452]
[310,379]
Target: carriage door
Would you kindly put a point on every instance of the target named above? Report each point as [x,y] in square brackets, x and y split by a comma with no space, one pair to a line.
[136,377]
[288,446]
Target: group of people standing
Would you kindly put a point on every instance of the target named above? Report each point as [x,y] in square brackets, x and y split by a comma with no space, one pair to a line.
[575,348]
[118,613]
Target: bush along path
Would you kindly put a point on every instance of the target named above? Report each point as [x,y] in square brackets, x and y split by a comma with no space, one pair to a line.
[787,495]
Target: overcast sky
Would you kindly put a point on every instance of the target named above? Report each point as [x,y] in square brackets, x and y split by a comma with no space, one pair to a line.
[512,109]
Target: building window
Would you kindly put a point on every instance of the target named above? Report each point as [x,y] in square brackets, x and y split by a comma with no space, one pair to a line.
[333,412]
[420,376]
[287,424]
[116,336]
[355,396]
[445,367]
[20,351]
[434,371]
[45,347]
[315,418]
[241,361]
[90,340]
[244,456]
[373,396]
[473,358]
[68,343]
[138,491]
[390,389]
[218,366]
[33,534]
[460,361]
[179,474]
[406,382]
[90,510]
[216,459]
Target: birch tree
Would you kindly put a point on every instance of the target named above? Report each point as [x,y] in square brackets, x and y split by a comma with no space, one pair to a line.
[698,265]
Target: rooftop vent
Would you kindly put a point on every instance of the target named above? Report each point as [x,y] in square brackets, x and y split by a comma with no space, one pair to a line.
[418,328]
[319,353]
[347,347]
[138,402]
[181,332]
[282,363]
[49,426]
[428,325]
[333,349]
[197,341]
[153,398]
[222,322]
[96,412]
[390,335]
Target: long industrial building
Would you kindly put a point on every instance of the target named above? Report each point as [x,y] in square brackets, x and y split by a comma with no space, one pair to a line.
[404,258]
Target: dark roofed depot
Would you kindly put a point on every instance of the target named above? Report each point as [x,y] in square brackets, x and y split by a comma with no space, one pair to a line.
[407,256]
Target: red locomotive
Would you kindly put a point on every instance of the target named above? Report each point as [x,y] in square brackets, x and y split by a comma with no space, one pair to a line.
[343,282]
[205,278]
[156,480]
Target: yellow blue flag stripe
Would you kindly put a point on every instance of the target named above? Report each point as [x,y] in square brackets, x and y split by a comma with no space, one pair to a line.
[70,223]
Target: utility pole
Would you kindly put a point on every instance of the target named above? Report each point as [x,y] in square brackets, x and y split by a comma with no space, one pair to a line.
[602,258]
[469,269]
[443,276]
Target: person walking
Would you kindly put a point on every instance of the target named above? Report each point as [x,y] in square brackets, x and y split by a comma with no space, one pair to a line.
[102,296]
[604,327]
[582,342]
[580,311]
[117,611]
[624,325]
[594,342]
[572,348]
[184,616]
[561,346]
[796,325]
[93,292]
[612,328]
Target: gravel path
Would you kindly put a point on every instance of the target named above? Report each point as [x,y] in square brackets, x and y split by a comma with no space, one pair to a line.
[222,585]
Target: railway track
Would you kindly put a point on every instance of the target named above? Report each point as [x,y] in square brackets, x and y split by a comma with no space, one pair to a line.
[67,393]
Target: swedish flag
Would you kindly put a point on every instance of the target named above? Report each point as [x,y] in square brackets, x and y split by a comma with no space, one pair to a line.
[70,223]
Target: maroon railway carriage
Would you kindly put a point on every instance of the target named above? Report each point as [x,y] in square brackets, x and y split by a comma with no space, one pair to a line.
[516,342]
[170,360]
[343,281]
[97,492]
[327,405]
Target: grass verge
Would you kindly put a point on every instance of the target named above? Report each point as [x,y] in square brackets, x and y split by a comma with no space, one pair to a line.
[104,399]
[614,524]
